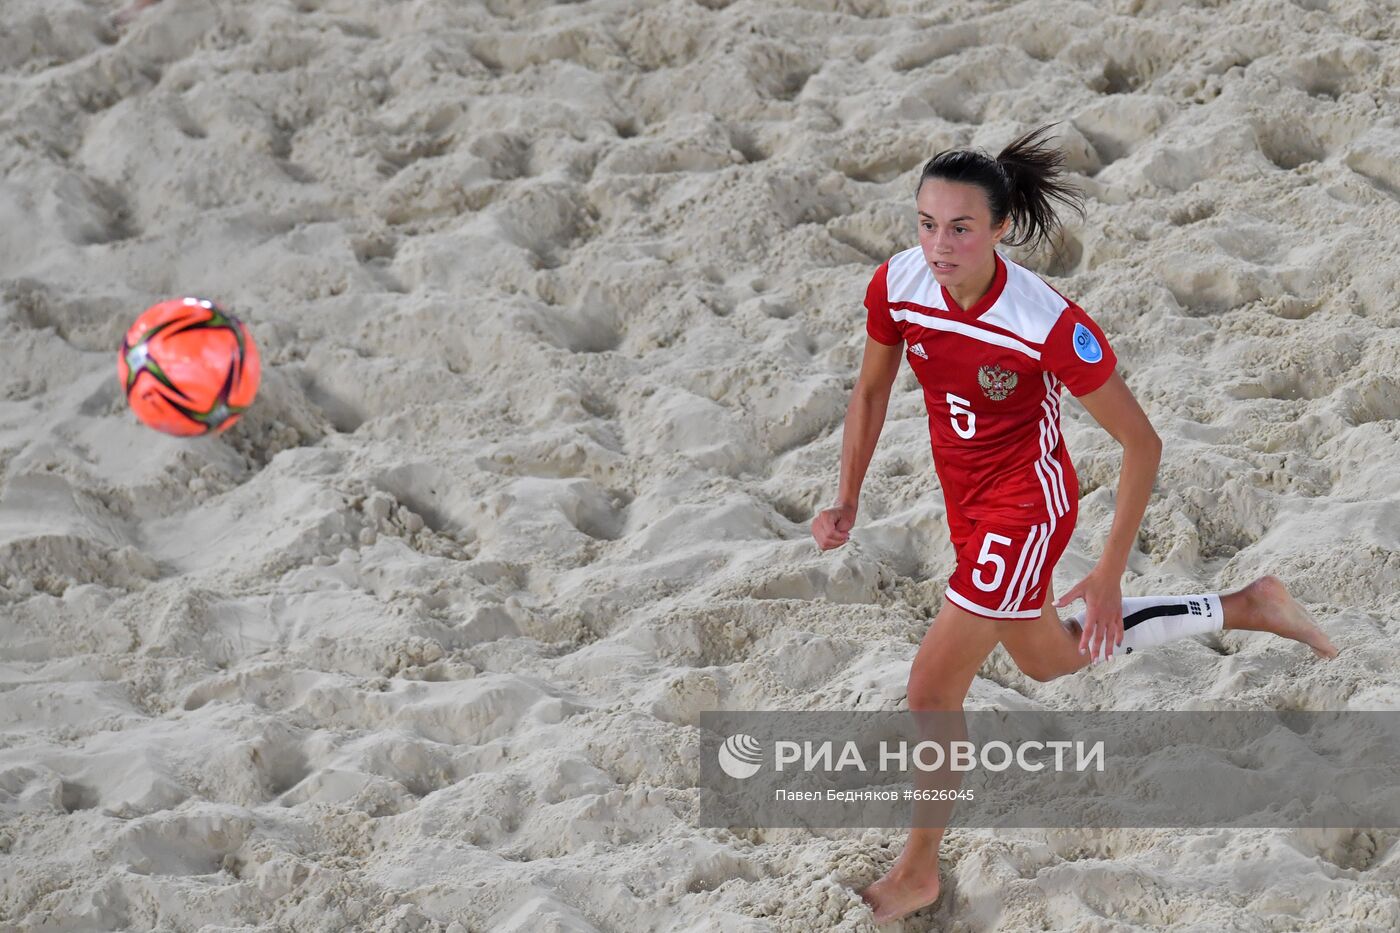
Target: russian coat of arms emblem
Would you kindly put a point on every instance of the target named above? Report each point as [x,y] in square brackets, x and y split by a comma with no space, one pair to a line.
[996,382]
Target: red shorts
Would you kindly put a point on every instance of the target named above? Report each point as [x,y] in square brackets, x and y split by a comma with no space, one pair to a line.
[1004,570]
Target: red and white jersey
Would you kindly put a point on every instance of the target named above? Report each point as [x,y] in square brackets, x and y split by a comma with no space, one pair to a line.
[991,377]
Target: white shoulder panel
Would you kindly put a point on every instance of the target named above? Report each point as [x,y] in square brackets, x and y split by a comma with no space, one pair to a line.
[1027,306]
[908,278]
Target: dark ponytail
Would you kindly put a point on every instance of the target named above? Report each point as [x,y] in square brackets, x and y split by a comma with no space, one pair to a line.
[1024,181]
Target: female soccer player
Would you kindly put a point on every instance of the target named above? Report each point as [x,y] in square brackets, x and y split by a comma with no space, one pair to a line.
[992,344]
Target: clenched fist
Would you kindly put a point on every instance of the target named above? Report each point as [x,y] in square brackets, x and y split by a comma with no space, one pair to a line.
[832,527]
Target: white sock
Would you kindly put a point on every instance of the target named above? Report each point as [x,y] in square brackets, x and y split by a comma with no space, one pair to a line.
[1153,620]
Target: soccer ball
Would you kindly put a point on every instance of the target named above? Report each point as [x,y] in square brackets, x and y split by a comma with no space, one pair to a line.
[188,367]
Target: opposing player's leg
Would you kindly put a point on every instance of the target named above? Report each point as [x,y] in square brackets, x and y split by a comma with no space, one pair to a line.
[949,656]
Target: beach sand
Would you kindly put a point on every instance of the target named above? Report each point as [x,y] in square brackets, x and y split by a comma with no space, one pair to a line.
[559,310]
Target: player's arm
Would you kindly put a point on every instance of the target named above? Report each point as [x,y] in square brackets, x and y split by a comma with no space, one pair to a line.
[865,418]
[1118,412]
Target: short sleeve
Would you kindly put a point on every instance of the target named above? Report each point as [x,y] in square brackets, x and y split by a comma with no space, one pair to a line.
[878,323]
[1077,352]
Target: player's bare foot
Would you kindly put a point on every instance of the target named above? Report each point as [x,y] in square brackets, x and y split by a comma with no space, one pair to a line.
[899,894]
[1273,609]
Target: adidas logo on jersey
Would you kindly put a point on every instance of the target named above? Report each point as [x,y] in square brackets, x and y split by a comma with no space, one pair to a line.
[918,350]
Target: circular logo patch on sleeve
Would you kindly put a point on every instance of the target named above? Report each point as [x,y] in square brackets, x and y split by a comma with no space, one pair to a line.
[1086,347]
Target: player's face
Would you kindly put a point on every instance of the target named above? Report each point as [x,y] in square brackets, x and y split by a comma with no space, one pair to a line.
[955,230]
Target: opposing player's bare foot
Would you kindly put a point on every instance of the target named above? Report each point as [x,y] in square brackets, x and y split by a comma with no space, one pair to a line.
[1273,609]
[899,894]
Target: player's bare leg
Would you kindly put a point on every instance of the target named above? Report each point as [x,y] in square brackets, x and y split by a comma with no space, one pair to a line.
[1266,606]
[949,657]
[1043,648]
[1047,648]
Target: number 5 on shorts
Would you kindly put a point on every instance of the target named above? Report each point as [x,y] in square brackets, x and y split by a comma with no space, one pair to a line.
[988,557]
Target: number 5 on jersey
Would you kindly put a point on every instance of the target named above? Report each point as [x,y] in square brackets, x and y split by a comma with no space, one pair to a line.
[957,405]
